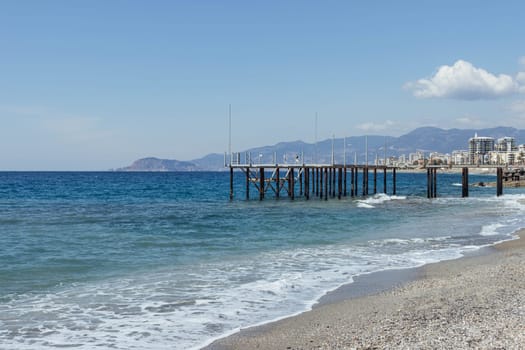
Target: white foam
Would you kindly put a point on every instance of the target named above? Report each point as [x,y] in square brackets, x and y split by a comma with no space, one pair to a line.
[377,199]
[364,205]
[158,311]
[490,230]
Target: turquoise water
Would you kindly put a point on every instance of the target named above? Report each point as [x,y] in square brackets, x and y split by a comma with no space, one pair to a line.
[165,260]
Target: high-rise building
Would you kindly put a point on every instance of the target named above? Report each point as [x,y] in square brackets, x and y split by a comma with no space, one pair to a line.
[479,148]
[506,144]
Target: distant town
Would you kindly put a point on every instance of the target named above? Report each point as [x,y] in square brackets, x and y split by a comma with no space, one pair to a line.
[481,151]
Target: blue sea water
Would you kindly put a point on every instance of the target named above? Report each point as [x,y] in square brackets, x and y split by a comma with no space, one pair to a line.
[166,261]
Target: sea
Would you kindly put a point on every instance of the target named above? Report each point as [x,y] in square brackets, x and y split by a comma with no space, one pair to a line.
[115,260]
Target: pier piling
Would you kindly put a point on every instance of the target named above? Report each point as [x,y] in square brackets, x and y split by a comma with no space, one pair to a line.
[261,183]
[499,182]
[464,182]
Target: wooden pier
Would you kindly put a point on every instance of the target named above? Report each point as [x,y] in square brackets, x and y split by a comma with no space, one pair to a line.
[312,180]
[432,180]
[333,181]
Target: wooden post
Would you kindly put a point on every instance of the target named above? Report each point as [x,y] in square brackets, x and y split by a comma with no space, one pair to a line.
[330,181]
[340,183]
[300,182]
[333,182]
[394,175]
[464,183]
[375,180]
[313,182]
[364,181]
[435,183]
[499,182]
[291,183]
[325,184]
[344,181]
[261,183]
[352,184]
[384,180]
[317,182]
[306,172]
[320,179]
[356,182]
[247,183]
[429,186]
[277,182]
[231,182]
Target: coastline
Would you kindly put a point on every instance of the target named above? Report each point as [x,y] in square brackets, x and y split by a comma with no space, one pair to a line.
[473,301]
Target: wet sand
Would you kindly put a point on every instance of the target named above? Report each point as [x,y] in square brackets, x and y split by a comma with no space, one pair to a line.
[471,302]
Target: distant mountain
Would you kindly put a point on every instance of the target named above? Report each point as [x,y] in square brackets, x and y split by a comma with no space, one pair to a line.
[429,139]
[156,164]
[425,139]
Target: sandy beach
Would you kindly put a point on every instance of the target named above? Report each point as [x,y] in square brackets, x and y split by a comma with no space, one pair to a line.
[472,302]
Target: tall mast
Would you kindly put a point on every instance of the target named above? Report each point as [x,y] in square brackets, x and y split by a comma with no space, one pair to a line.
[230,132]
[333,155]
[366,150]
[316,138]
[344,151]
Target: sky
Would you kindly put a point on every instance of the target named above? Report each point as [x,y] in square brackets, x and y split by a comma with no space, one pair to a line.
[95,85]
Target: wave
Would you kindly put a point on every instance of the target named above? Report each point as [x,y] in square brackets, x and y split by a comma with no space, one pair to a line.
[377,199]
[491,230]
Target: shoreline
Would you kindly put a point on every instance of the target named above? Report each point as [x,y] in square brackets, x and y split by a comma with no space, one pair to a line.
[393,300]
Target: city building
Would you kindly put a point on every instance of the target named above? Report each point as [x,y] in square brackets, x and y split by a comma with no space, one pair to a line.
[506,144]
[479,148]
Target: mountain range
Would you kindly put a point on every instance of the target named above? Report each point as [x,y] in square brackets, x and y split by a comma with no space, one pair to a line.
[424,139]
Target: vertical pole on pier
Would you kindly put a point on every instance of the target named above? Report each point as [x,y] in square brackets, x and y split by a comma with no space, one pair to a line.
[277,182]
[231,182]
[464,183]
[326,184]
[434,183]
[340,183]
[300,182]
[429,186]
[247,183]
[317,182]
[384,180]
[291,183]
[344,182]
[261,183]
[364,181]
[394,175]
[320,179]
[306,172]
[499,182]
[330,181]
[312,177]
[333,182]
[356,182]
[314,185]
[352,179]
[375,180]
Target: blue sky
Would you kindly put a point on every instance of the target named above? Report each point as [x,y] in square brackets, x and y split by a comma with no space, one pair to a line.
[93,85]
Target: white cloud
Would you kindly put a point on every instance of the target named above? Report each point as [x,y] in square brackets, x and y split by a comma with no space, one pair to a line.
[465,82]
[376,127]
